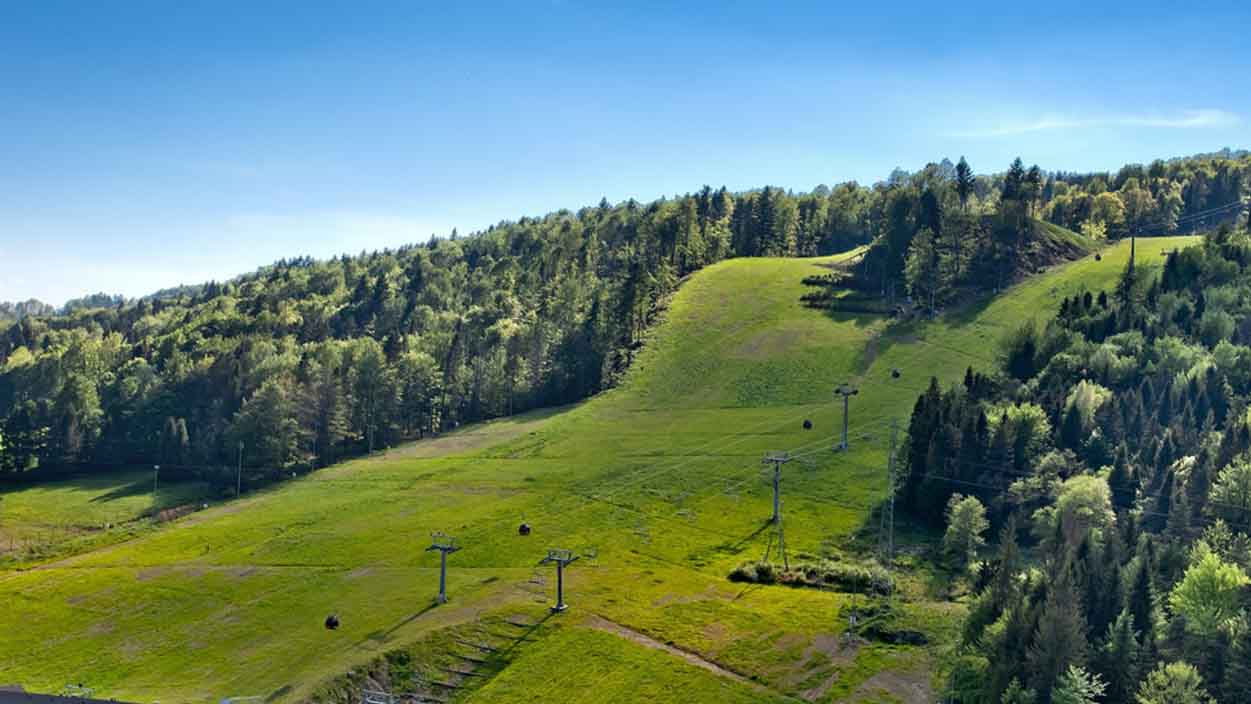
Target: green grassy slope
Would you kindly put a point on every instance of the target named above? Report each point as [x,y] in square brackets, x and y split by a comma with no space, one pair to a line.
[659,482]
[75,514]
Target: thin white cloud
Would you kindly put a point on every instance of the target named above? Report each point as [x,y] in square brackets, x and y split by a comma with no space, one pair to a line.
[1188,120]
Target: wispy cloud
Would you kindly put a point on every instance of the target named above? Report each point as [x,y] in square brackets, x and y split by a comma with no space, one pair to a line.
[1187,120]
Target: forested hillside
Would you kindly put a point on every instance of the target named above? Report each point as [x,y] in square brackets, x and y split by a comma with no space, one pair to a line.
[305,361]
[1112,457]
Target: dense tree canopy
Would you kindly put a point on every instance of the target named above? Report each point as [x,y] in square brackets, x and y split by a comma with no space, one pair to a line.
[1120,431]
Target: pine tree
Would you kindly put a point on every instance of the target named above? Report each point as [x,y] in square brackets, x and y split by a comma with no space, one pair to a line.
[1119,658]
[1007,565]
[1072,431]
[1016,694]
[965,182]
[1031,188]
[1120,481]
[1127,285]
[1014,180]
[1060,638]
[923,269]
[921,429]
[1238,672]
[963,227]
[1142,606]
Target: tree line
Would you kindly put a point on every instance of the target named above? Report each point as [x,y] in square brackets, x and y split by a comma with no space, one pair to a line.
[305,362]
[945,229]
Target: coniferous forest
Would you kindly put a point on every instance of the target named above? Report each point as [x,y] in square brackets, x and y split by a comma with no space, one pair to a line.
[1111,457]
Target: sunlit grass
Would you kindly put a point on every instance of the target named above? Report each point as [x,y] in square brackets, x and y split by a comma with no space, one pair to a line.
[659,480]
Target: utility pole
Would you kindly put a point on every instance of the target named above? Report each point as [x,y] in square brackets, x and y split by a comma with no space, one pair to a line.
[239,473]
[846,391]
[786,563]
[562,558]
[445,544]
[888,511]
[777,459]
[1133,243]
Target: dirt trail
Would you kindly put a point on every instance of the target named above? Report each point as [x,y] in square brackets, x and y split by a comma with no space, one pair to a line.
[603,624]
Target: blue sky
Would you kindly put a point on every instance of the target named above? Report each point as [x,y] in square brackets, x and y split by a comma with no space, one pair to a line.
[147,144]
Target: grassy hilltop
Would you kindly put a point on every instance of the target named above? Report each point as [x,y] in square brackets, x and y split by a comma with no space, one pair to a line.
[658,483]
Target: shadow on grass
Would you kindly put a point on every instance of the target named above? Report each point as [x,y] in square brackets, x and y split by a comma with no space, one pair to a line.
[859,320]
[525,635]
[135,488]
[384,636]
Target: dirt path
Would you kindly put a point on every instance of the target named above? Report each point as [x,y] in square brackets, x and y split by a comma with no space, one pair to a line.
[603,624]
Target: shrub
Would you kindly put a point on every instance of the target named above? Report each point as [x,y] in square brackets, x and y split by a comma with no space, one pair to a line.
[754,572]
[859,579]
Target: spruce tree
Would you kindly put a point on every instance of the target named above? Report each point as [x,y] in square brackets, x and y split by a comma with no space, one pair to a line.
[1119,658]
[1060,637]
[965,182]
[1142,607]
[1014,180]
[1071,431]
[1016,694]
[1120,482]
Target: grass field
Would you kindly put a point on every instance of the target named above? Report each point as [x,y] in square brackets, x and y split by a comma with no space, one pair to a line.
[75,514]
[658,483]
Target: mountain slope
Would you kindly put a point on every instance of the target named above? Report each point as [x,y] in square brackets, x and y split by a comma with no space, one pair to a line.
[657,482]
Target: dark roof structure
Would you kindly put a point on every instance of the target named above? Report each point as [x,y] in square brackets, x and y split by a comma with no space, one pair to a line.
[12,694]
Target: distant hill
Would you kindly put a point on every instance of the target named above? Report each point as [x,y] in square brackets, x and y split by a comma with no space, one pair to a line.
[95,300]
[34,308]
[11,312]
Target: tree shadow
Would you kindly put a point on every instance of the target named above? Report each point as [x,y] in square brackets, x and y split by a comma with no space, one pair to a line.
[384,636]
[135,488]
[525,635]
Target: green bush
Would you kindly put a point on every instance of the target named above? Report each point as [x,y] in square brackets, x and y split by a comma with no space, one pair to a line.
[844,577]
